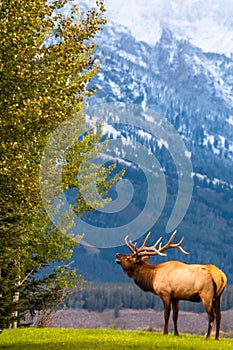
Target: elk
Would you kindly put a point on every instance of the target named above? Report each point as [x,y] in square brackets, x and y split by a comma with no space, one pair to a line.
[173,281]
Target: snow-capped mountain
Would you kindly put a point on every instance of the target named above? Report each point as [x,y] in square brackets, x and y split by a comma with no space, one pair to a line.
[176,58]
[192,89]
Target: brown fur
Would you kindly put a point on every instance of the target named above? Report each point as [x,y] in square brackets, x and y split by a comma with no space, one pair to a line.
[173,281]
[219,278]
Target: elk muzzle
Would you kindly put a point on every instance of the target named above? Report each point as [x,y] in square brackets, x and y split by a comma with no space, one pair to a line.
[118,260]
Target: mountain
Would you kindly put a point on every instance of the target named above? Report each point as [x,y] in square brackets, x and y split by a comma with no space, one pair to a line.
[181,79]
[193,91]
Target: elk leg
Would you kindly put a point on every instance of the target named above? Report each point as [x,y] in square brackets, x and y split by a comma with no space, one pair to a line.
[175,310]
[211,324]
[218,316]
[210,312]
[167,310]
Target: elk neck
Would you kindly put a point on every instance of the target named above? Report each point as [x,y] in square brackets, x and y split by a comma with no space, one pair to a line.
[144,275]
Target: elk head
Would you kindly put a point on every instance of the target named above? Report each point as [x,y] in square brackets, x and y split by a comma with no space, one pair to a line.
[142,254]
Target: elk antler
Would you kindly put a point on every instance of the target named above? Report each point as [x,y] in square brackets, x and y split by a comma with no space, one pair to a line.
[172,245]
[153,250]
[130,245]
[143,250]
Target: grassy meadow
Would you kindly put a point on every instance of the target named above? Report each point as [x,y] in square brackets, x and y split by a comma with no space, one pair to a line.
[87,339]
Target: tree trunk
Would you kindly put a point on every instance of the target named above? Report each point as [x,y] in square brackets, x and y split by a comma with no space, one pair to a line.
[15,313]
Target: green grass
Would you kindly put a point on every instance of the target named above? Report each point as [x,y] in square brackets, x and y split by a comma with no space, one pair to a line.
[83,339]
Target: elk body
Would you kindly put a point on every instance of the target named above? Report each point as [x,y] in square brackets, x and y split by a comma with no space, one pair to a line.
[173,281]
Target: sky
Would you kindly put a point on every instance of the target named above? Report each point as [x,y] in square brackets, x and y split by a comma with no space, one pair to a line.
[208,24]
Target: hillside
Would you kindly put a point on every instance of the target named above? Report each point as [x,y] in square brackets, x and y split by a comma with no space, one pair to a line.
[137,319]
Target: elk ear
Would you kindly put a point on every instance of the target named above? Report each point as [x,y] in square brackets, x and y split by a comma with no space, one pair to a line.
[145,258]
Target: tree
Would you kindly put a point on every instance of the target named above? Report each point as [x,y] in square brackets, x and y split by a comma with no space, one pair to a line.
[46,62]
[44,297]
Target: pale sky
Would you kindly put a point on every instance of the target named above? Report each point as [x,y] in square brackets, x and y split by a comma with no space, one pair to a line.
[208,24]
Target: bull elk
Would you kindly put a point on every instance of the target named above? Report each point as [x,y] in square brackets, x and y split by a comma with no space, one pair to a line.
[173,281]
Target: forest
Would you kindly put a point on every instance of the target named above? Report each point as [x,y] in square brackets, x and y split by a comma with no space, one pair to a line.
[101,296]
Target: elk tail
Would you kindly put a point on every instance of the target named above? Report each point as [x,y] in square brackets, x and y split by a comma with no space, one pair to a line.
[219,279]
